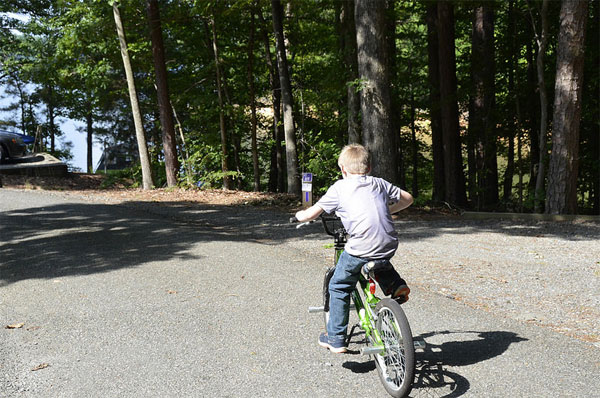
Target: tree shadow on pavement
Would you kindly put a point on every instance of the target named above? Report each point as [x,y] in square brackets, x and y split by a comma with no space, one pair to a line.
[431,377]
[79,238]
[259,219]
[84,238]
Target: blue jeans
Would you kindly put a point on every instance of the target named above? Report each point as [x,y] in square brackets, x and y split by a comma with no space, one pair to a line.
[342,284]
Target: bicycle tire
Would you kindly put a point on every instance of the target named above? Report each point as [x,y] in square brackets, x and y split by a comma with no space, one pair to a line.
[396,367]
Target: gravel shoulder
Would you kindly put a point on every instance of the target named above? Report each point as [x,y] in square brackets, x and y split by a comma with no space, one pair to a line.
[541,273]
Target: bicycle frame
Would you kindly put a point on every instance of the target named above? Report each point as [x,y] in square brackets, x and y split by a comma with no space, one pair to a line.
[387,332]
[364,308]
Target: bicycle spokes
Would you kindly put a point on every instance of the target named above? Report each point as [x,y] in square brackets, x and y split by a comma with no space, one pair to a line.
[394,358]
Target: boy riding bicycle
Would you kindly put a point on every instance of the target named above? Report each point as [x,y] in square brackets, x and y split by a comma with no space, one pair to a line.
[361,201]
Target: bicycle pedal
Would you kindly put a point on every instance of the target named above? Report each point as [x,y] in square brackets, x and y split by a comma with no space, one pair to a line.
[313,310]
[371,350]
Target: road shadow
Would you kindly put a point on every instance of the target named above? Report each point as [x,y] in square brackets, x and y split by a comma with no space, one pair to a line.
[432,379]
[407,228]
[79,238]
[84,238]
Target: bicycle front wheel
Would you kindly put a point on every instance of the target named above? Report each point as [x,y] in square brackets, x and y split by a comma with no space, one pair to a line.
[396,366]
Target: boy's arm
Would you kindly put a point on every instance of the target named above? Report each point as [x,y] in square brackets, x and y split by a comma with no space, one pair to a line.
[406,200]
[309,214]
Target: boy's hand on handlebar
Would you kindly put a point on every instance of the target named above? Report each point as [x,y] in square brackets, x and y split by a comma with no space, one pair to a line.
[309,214]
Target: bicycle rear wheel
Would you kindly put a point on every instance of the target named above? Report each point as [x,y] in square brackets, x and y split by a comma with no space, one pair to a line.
[396,367]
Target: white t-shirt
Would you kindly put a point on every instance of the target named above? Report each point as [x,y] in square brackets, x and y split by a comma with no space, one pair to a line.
[362,204]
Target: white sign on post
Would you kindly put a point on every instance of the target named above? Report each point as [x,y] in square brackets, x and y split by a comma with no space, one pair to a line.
[307,189]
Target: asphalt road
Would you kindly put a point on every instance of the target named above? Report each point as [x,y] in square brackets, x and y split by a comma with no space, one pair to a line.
[128,301]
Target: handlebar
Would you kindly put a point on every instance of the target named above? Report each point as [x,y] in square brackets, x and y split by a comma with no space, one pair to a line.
[333,226]
[301,224]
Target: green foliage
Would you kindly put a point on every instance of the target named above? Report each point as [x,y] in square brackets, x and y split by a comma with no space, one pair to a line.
[121,178]
[66,57]
[321,160]
[204,165]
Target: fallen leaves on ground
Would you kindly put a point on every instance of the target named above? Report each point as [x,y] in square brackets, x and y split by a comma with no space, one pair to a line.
[40,367]
[91,186]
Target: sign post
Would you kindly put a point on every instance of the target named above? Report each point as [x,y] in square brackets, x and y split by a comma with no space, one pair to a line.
[307,189]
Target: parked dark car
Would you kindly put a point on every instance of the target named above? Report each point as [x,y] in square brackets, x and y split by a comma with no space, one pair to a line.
[12,145]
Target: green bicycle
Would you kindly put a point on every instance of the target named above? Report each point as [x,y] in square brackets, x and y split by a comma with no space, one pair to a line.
[387,332]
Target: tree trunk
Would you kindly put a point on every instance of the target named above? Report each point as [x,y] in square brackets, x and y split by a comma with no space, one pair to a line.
[510,166]
[52,127]
[513,99]
[293,178]
[349,51]
[277,170]
[253,121]
[227,184]
[595,143]
[22,102]
[89,129]
[433,74]
[453,167]
[186,154]
[392,73]
[162,88]
[237,149]
[51,117]
[520,164]
[541,40]
[564,161]
[373,70]
[532,109]
[147,180]
[482,129]
[415,145]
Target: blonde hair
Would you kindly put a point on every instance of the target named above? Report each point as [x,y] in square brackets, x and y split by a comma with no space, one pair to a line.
[355,158]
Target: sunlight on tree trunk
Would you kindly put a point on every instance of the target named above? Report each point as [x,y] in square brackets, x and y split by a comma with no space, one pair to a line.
[542,40]
[433,75]
[373,70]
[348,44]
[162,88]
[253,120]
[453,168]
[482,127]
[227,184]
[89,129]
[561,195]
[293,178]
[147,181]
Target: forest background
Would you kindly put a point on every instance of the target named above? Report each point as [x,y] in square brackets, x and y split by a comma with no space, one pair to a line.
[488,105]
